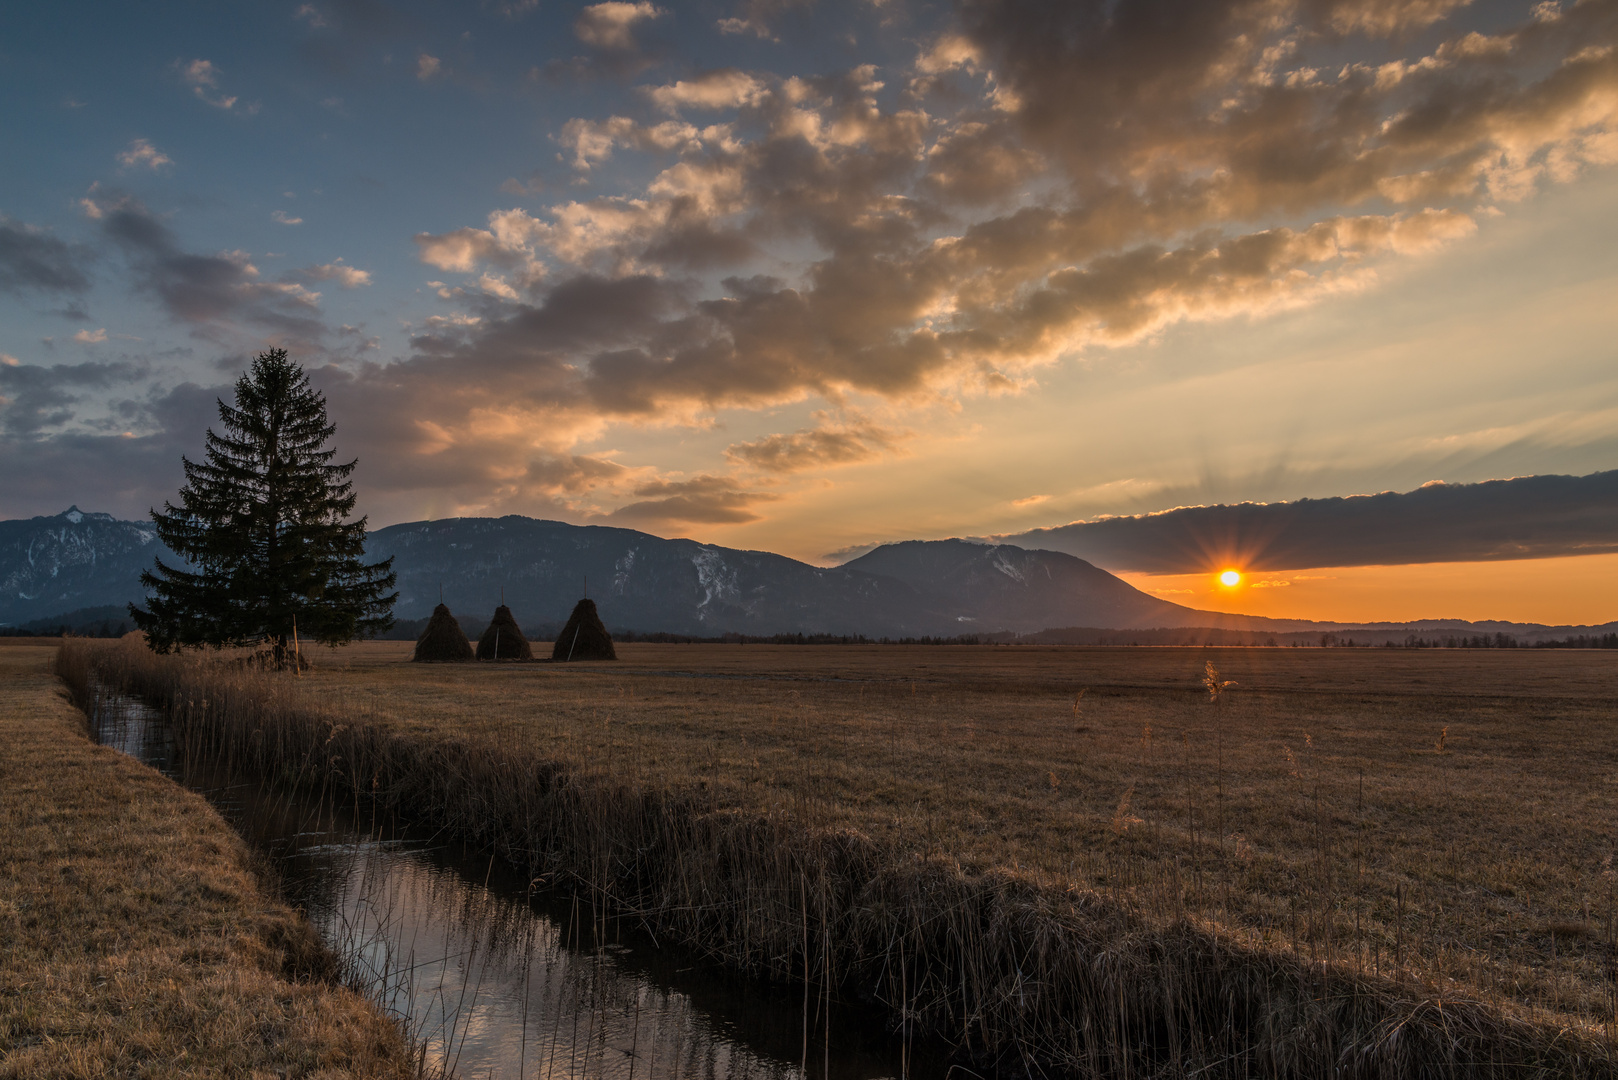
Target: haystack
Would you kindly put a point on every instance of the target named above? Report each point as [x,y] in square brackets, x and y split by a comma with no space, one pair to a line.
[443,640]
[584,638]
[503,639]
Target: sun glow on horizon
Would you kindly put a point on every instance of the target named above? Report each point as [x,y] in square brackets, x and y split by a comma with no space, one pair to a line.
[1230,579]
[1573,590]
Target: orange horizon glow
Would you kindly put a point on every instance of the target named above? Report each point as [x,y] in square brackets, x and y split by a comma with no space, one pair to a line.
[1572,591]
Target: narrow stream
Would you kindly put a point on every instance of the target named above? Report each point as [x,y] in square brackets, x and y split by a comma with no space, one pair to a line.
[499,981]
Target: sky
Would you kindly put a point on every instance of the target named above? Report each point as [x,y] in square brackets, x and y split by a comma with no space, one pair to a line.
[808,276]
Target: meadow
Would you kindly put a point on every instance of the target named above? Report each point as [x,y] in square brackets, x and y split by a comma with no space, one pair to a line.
[1366,861]
[137,936]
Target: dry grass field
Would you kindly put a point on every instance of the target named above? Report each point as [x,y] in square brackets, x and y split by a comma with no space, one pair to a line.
[1439,821]
[134,939]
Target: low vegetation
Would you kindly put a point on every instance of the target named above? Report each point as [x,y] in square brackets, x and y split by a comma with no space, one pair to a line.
[135,940]
[1243,862]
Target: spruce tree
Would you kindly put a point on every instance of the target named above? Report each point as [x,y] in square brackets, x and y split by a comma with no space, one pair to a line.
[262,523]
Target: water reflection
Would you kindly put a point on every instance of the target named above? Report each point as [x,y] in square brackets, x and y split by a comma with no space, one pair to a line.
[499,981]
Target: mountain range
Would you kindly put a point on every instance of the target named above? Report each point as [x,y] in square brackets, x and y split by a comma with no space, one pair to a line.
[649,584]
[73,561]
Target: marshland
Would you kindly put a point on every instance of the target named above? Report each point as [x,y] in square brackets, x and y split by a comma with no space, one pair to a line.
[1082,861]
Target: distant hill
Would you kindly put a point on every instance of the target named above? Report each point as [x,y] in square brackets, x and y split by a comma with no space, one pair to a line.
[994,587]
[641,582]
[53,565]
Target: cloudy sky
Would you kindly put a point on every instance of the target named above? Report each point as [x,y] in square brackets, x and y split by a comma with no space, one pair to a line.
[807,276]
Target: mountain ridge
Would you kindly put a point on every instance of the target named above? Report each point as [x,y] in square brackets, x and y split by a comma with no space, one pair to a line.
[944,588]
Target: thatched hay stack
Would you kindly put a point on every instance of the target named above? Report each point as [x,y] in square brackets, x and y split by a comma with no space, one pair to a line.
[443,641]
[503,639]
[584,638]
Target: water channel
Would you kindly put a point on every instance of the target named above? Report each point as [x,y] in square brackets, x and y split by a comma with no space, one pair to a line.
[498,980]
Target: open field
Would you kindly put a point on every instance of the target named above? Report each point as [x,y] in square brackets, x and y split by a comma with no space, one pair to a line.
[1408,827]
[134,939]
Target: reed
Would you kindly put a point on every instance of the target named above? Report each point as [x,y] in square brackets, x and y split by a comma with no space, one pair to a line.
[1152,952]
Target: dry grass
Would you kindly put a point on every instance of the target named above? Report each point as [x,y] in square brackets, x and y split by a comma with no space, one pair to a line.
[1065,852]
[134,940]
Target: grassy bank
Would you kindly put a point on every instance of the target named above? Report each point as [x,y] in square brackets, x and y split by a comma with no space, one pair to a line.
[134,939]
[1354,863]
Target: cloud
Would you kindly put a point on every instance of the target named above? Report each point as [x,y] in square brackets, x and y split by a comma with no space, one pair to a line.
[206,290]
[344,275]
[311,15]
[90,337]
[142,153]
[461,249]
[1528,517]
[949,52]
[203,78]
[124,475]
[592,142]
[705,500]
[759,17]
[33,260]
[977,163]
[610,26]
[725,88]
[427,66]
[34,397]
[1043,182]
[1381,18]
[814,448]
[283,218]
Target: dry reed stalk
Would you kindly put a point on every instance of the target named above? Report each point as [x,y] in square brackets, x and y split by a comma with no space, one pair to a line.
[1024,972]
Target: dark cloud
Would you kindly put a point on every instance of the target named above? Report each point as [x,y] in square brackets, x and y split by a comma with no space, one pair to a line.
[706,500]
[814,448]
[1530,517]
[32,260]
[124,475]
[33,397]
[206,289]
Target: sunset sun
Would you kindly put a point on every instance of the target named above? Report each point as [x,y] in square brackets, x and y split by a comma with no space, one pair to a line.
[1230,579]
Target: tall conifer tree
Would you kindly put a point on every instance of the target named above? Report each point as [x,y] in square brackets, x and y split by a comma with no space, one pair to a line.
[263,525]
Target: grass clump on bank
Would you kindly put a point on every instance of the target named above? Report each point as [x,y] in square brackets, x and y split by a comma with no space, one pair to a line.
[136,940]
[1056,857]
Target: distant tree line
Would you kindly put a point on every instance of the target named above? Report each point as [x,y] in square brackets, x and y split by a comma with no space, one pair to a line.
[1506,641]
[104,629]
[661,638]
[107,621]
